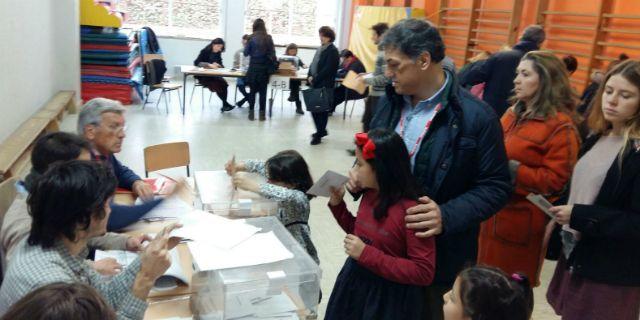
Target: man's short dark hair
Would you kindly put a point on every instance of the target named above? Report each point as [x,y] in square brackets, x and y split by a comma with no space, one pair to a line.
[327,32]
[56,146]
[534,33]
[67,196]
[413,37]
[380,28]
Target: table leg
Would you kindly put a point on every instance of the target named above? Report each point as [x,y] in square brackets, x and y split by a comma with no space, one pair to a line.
[271,102]
[184,92]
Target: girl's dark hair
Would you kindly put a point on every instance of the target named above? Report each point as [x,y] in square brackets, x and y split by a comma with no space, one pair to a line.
[380,28]
[259,26]
[68,195]
[289,167]
[260,36]
[346,53]
[326,31]
[246,37]
[487,293]
[291,46]
[393,170]
[217,41]
[62,301]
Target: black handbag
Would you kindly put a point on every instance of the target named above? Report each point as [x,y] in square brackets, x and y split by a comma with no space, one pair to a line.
[318,99]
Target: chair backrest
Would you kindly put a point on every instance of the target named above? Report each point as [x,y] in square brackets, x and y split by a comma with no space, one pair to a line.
[166,155]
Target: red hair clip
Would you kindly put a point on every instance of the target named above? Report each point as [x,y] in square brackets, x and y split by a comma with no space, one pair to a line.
[368,147]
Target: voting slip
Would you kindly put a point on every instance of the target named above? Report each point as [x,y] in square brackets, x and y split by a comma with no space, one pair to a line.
[353,84]
[542,203]
[322,187]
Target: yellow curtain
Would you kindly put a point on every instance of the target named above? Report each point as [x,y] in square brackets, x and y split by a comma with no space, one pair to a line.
[366,16]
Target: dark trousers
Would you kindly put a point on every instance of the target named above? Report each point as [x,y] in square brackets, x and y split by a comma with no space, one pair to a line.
[294,86]
[217,85]
[339,94]
[243,90]
[369,111]
[259,89]
[320,119]
[434,303]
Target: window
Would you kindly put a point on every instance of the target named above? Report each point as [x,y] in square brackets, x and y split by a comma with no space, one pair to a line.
[190,18]
[292,20]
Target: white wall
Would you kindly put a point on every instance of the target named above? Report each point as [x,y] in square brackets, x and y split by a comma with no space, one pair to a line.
[40,55]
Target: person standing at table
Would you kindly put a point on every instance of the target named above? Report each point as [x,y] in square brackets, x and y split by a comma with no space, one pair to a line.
[542,144]
[322,74]
[294,85]
[240,62]
[261,66]
[210,57]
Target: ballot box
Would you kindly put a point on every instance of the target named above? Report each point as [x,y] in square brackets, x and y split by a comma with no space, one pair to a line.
[270,277]
[216,194]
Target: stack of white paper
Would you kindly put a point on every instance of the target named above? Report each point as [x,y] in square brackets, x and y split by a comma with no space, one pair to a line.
[166,282]
[214,186]
[212,230]
[259,249]
[170,208]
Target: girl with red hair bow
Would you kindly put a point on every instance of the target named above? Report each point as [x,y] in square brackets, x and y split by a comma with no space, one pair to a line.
[388,265]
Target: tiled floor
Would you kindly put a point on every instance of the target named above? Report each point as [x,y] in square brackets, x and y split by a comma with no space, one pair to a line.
[215,137]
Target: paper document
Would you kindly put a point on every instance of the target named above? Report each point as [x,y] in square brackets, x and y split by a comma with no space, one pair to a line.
[351,82]
[259,305]
[167,281]
[542,203]
[170,208]
[259,249]
[329,179]
[213,231]
[214,186]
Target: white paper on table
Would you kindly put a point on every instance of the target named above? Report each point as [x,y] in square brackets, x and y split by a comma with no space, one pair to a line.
[259,249]
[170,207]
[322,187]
[213,230]
[167,281]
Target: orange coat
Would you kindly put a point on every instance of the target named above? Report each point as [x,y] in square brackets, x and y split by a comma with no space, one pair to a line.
[547,150]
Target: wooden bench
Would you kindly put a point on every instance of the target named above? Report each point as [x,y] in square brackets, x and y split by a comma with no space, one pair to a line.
[15,151]
[55,108]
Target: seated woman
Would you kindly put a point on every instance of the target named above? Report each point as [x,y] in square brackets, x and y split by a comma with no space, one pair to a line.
[211,58]
[349,63]
[70,205]
[294,85]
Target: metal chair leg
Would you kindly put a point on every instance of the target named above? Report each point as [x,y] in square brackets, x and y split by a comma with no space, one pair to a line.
[202,96]
[210,96]
[179,99]
[146,98]
[192,92]
[166,105]
[353,106]
[159,98]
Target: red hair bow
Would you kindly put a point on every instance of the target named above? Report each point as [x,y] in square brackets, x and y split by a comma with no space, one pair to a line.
[368,147]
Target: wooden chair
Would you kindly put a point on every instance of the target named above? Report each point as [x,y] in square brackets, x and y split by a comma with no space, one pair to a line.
[166,155]
[7,195]
[150,74]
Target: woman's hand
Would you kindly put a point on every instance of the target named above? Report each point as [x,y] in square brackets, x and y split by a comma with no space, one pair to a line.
[562,213]
[337,194]
[243,181]
[310,80]
[214,65]
[353,246]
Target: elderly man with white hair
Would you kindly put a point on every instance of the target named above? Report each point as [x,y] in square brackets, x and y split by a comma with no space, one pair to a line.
[102,123]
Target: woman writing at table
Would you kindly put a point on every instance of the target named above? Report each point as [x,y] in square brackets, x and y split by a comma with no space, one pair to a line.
[211,58]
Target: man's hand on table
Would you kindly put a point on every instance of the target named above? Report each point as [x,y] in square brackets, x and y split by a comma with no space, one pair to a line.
[154,261]
[142,190]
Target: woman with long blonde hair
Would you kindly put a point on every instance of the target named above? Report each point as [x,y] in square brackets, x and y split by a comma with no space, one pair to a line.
[598,272]
[542,145]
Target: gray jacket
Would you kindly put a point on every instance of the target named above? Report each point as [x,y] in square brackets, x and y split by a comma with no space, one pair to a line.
[378,81]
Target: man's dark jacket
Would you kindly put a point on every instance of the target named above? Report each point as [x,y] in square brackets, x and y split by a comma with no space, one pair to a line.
[462,165]
[498,72]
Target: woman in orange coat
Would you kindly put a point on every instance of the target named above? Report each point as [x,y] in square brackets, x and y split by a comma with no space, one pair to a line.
[542,145]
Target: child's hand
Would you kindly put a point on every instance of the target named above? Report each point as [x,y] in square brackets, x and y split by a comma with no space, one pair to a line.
[336,196]
[353,185]
[232,166]
[243,181]
[353,246]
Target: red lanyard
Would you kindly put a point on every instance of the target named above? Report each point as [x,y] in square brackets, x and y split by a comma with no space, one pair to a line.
[424,132]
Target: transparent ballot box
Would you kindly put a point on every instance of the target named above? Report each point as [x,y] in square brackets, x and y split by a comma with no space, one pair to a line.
[217,195]
[285,289]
